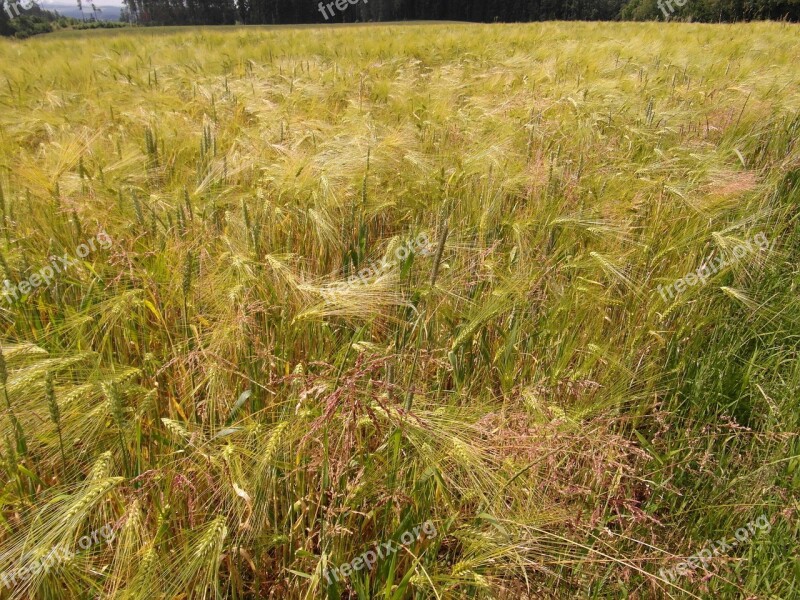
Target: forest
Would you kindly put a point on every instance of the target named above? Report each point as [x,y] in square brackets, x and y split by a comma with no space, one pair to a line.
[195,12]
[24,22]
[229,12]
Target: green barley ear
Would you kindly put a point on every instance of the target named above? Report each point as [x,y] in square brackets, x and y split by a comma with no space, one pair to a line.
[255,234]
[76,222]
[176,429]
[246,215]
[101,468]
[201,561]
[272,446]
[147,575]
[22,447]
[94,492]
[117,411]
[3,209]
[116,404]
[55,414]
[3,369]
[151,146]
[188,265]
[162,525]
[211,541]
[52,405]
[11,213]
[137,206]
[461,451]
[10,456]
[439,251]
[153,225]
[188,204]
[181,218]
[4,264]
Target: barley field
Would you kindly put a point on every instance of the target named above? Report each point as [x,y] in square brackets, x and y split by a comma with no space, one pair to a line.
[401,312]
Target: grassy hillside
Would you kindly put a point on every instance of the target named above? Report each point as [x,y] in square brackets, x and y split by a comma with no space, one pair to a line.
[278,297]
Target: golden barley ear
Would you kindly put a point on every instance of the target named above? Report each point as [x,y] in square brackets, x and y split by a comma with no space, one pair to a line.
[272,446]
[78,510]
[148,580]
[196,568]
[101,469]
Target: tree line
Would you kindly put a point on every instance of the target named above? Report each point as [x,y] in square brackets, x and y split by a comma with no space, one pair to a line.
[228,12]
[274,12]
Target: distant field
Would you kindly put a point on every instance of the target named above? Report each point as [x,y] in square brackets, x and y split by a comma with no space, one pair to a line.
[216,29]
[401,311]
[105,13]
